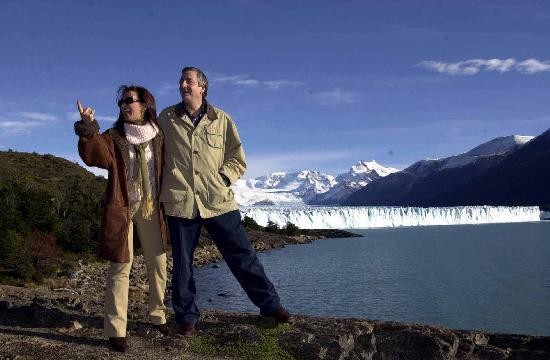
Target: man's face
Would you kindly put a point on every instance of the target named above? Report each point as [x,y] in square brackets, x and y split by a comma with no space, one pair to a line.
[191,92]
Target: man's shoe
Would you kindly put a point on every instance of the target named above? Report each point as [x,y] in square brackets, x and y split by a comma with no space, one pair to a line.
[118,344]
[280,315]
[162,328]
[187,329]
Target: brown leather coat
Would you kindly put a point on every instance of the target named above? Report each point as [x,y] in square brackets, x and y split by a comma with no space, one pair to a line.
[109,150]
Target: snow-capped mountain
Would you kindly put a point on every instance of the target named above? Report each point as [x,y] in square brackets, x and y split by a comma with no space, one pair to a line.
[497,146]
[358,176]
[430,182]
[307,186]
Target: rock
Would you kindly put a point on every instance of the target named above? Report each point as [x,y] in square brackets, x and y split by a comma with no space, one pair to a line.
[480,339]
[413,344]
[239,333]
[76,325]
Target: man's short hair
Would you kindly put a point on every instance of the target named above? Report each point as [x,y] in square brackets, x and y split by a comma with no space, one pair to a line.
[201,77]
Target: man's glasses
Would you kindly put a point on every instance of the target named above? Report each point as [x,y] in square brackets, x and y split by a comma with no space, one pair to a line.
[129,100]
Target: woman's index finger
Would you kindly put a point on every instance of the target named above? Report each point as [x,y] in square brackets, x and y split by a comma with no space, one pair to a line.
[79,106]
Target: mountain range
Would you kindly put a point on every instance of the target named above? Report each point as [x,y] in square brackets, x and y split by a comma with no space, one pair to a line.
[511,170]
[308,186]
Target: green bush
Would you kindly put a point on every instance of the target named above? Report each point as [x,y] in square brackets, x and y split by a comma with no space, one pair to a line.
[12,244]
[48,207]
[250,223]
[290,229]
[272,227]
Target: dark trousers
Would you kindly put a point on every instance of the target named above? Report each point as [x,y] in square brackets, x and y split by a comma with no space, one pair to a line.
[229,235]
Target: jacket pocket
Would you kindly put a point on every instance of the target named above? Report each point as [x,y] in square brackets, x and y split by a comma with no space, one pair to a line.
[174,187]
[115,222]
[214,139]
[114,233]
[172,195]
[218,192]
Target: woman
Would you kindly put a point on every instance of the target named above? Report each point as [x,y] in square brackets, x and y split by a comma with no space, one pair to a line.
[132,153]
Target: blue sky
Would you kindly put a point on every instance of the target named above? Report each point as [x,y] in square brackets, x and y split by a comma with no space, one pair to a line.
[311,84]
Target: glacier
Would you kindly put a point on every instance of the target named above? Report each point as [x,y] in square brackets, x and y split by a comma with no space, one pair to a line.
[363,217]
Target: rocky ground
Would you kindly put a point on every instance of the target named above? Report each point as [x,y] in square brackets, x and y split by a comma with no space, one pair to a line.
[63,320]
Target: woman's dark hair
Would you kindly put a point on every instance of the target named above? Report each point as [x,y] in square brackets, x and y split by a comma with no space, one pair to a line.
[144,95]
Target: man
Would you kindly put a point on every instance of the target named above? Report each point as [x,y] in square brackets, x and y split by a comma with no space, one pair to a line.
[203,157]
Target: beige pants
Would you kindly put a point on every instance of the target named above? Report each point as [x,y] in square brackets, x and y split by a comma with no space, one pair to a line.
[116,293]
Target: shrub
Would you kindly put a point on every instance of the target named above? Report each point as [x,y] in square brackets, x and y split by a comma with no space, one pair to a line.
[33,258]
[272,227]
[44,254]
[47,205]
[12,245]
[250,223]
[290,229]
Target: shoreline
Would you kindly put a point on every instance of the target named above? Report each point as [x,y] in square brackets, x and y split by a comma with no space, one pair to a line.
[207,253]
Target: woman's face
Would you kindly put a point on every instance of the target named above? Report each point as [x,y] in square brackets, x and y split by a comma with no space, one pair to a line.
[132,107]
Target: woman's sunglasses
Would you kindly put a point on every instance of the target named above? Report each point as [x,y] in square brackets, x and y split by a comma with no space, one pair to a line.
[129,100]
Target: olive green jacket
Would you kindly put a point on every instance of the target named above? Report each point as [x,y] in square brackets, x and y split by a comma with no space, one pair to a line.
[194,159]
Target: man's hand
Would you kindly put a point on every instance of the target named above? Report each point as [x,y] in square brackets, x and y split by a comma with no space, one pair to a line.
[225,179]
[87,114]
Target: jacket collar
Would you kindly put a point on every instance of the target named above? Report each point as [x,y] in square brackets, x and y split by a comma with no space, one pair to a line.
[210,112]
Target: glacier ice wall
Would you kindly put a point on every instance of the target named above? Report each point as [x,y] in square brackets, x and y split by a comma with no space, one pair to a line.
[362,217]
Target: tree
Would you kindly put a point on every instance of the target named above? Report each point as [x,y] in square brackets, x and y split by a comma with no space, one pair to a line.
[250,223]
[272,227]
[290,229]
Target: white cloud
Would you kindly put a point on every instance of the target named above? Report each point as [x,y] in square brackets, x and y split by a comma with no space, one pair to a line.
[334,96]
[277,84]
[75,116]
[72,115]
[220,78]
[532,66]
[474,66]
[247,81]
[501,66]
[37,116]
[17,126]
[24,121]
